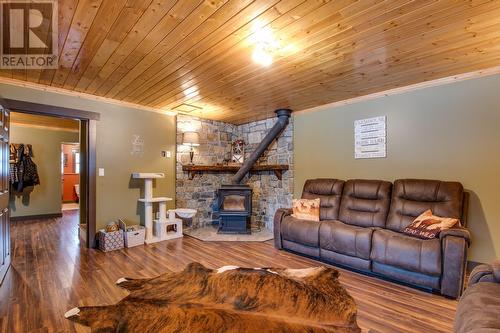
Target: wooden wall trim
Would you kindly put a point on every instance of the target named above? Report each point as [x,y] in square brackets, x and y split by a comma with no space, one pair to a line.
[83,177]
[401,90]
[36,217]
[44,109]
[88,212]
[91,182]
[61,91]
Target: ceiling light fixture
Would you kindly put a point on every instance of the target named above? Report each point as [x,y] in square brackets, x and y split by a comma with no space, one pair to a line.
[261,57]
[265,44]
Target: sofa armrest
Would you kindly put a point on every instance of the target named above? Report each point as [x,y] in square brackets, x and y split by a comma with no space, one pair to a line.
[496,270]
[485,273]
[454,260]
[278,217]
[456,232]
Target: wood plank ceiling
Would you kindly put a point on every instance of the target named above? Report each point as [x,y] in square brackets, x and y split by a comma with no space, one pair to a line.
[196,56]
[37,121]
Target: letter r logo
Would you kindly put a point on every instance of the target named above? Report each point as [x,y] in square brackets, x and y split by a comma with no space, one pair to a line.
[27,27]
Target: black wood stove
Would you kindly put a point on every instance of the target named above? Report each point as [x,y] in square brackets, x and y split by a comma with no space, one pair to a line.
[234,203]
[235,208]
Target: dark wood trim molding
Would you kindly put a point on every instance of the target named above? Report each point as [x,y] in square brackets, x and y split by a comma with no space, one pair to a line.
[84,176]
[50,110]
[91,181]
[36,217]
[88,138]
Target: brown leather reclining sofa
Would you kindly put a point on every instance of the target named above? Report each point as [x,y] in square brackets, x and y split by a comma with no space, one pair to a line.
[361,227]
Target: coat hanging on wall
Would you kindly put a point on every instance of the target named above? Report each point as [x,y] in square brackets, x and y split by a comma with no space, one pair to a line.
[23,171]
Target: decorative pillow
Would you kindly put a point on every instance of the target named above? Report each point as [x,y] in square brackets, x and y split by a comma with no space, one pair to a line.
[428,226]
[306,209]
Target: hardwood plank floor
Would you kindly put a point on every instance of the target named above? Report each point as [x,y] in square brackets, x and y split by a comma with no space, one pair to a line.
[51,273]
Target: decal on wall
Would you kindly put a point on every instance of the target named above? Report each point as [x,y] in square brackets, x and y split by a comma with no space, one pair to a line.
[137,145]
[370,138]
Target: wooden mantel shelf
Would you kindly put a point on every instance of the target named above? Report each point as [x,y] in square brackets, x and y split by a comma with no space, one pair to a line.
[194,169]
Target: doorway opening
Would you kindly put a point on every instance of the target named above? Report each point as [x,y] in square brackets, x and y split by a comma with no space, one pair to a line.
[87,139]
[45,166]
[70,176]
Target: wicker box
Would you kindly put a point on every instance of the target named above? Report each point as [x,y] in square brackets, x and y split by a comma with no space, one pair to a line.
[109,241]
[134,235]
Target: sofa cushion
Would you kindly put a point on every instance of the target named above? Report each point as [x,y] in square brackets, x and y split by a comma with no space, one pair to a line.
[365,203]
[310,251]
[479,309]
[344,259]
[412,197]
[346,239]
[306,209]
[329,191]
[300,231]
[428,226]
[409,253]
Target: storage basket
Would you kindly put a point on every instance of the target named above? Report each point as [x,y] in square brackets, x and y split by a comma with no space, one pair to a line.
[134,235]
[109,241]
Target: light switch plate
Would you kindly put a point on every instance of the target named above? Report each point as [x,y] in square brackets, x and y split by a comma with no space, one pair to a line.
[101,172]
[166,153]
[169,154]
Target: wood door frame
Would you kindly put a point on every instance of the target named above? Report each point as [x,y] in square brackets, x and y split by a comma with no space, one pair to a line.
[88,137]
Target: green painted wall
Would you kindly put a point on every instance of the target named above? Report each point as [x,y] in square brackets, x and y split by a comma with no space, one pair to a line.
[449,132]
[117,193]
[46,197]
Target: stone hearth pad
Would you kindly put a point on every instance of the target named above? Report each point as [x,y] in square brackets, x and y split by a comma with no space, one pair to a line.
[209,234]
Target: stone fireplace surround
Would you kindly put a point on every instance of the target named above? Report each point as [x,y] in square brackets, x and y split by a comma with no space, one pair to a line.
[269,193]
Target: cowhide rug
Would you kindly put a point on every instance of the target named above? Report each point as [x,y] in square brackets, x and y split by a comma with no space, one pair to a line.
[230,299]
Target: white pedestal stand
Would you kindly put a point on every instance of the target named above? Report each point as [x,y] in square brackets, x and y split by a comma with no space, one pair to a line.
[148,201]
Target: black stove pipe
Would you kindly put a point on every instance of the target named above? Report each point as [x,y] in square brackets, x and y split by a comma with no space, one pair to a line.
[283,118]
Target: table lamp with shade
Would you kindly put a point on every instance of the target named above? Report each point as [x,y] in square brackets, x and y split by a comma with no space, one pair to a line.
[191,139]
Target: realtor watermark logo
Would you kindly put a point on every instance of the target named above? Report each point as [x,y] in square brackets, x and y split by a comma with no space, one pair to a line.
[29,34]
